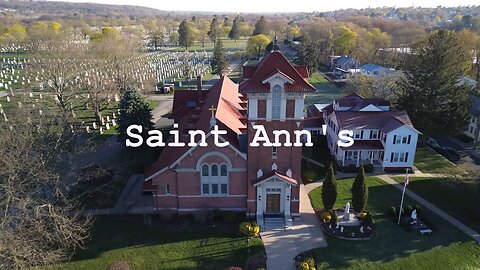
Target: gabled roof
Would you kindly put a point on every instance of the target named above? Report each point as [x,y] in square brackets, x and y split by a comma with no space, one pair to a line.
[274,173]
[372,67]
[383,120]
[229,113]
[185,100]
[252,80]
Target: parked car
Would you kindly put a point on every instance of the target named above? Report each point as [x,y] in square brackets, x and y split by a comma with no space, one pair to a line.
[449,153]
[432,143]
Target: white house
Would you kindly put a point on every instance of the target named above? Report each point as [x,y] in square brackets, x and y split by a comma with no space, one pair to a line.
[375,70]
[382,137]
[473,128]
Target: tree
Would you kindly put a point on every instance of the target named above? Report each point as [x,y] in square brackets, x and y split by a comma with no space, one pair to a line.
[308,55]
[329,189]
[260,27]
[134,110]
[39,223]
[203,29]
[344,40]
[257,44]
[185,34]
[359,191]
[430,88]
[235,31]
[219,60]
[212,33]
[245,29]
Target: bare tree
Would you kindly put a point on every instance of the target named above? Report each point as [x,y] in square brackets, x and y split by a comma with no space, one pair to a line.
[39,224]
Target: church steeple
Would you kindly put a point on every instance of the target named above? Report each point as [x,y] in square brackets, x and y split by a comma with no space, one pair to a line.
[275,45]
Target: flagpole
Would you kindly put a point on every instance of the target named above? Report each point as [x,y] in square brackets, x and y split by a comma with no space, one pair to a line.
[403,196]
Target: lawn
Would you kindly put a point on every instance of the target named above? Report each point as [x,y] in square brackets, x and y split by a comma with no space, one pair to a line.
[163,246]
[458,198]
[228,44]
[429,161]
[394,247]
[326,91]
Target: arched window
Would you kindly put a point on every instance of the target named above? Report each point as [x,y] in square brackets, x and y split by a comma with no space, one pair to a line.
[204,170]
[213,181]
[223,170]
[276,101]
[214,170]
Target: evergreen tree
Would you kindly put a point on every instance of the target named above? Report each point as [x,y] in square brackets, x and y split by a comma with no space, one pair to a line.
[329,189]
[235,31]
[430,90]
[359,191]
[308,55]
[219,60]
[260,27]
[185,34]
[212,33]
[134,110]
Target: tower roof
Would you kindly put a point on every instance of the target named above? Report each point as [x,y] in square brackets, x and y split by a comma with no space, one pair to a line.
[254,77]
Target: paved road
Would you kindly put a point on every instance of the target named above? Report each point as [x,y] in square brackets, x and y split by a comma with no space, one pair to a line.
[455,222]
[160,117]
[282,246]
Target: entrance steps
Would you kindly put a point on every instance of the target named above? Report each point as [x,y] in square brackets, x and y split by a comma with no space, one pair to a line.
[274,224]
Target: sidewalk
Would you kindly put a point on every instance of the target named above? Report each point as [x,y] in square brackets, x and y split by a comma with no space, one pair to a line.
[282,246]
[473,234]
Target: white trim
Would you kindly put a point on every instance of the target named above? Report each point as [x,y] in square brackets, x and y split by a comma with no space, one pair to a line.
[165,208]
[212,196]
[295,214]
[276,178]
[164,195]
[276,76]
[251,200]
[195,170]
[238,170]
[244,156]
[210,208]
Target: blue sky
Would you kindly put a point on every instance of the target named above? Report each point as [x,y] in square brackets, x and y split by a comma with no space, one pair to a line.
[277,5]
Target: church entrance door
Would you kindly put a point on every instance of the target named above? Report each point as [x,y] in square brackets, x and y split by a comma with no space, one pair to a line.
[273,203]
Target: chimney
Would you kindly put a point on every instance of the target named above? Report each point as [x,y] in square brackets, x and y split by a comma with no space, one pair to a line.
[199,88]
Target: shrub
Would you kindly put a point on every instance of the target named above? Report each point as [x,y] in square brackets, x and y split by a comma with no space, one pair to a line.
[249,228]
[119,265]
[309,174]
[369,168]
[407,210]
[350,169]
[392,211]
[359,191]
[326,217]
[361,215]
[307,264]
[329,189]
[229,217]
[334,219]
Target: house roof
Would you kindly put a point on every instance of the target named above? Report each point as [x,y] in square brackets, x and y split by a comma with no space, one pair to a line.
[229,113]
[343,59]
[273,62]
[357,102]
[383,120]
[365,145]
[313,122]
[371,67]
[274,173]
[185,100]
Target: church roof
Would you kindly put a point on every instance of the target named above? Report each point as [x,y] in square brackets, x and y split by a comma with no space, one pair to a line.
[272,62]
[229,114]
[275,173]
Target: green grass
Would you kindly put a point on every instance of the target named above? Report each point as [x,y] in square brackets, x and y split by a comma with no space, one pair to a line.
[458,198]
[14,55]
[228,44]
[394,247]
[429,161]
[326,91]
[163,247]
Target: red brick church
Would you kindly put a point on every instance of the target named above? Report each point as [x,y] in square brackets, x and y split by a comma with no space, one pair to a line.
[261,181]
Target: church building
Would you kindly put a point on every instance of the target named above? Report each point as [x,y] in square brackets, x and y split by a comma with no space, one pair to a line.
[261,181]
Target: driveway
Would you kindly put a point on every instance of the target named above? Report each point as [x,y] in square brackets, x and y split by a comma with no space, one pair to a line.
[160,113]
[282,246]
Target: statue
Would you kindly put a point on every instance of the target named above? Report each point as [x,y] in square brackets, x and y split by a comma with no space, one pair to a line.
[346,214]
[414,214]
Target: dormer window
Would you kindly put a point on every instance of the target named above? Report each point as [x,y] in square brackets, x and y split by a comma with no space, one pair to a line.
[276,101]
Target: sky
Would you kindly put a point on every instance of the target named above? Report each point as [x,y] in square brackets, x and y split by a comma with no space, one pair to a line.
[278,5]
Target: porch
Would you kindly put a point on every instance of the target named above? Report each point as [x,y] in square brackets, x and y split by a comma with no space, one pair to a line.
[363,157]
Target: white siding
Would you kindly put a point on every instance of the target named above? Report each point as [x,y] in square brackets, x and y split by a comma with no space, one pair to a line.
[391,147]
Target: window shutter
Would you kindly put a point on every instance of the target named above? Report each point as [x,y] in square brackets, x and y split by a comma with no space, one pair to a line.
[391,157]
[394,138]
[371,134]
[406,157]
[361,135]
[409,138]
